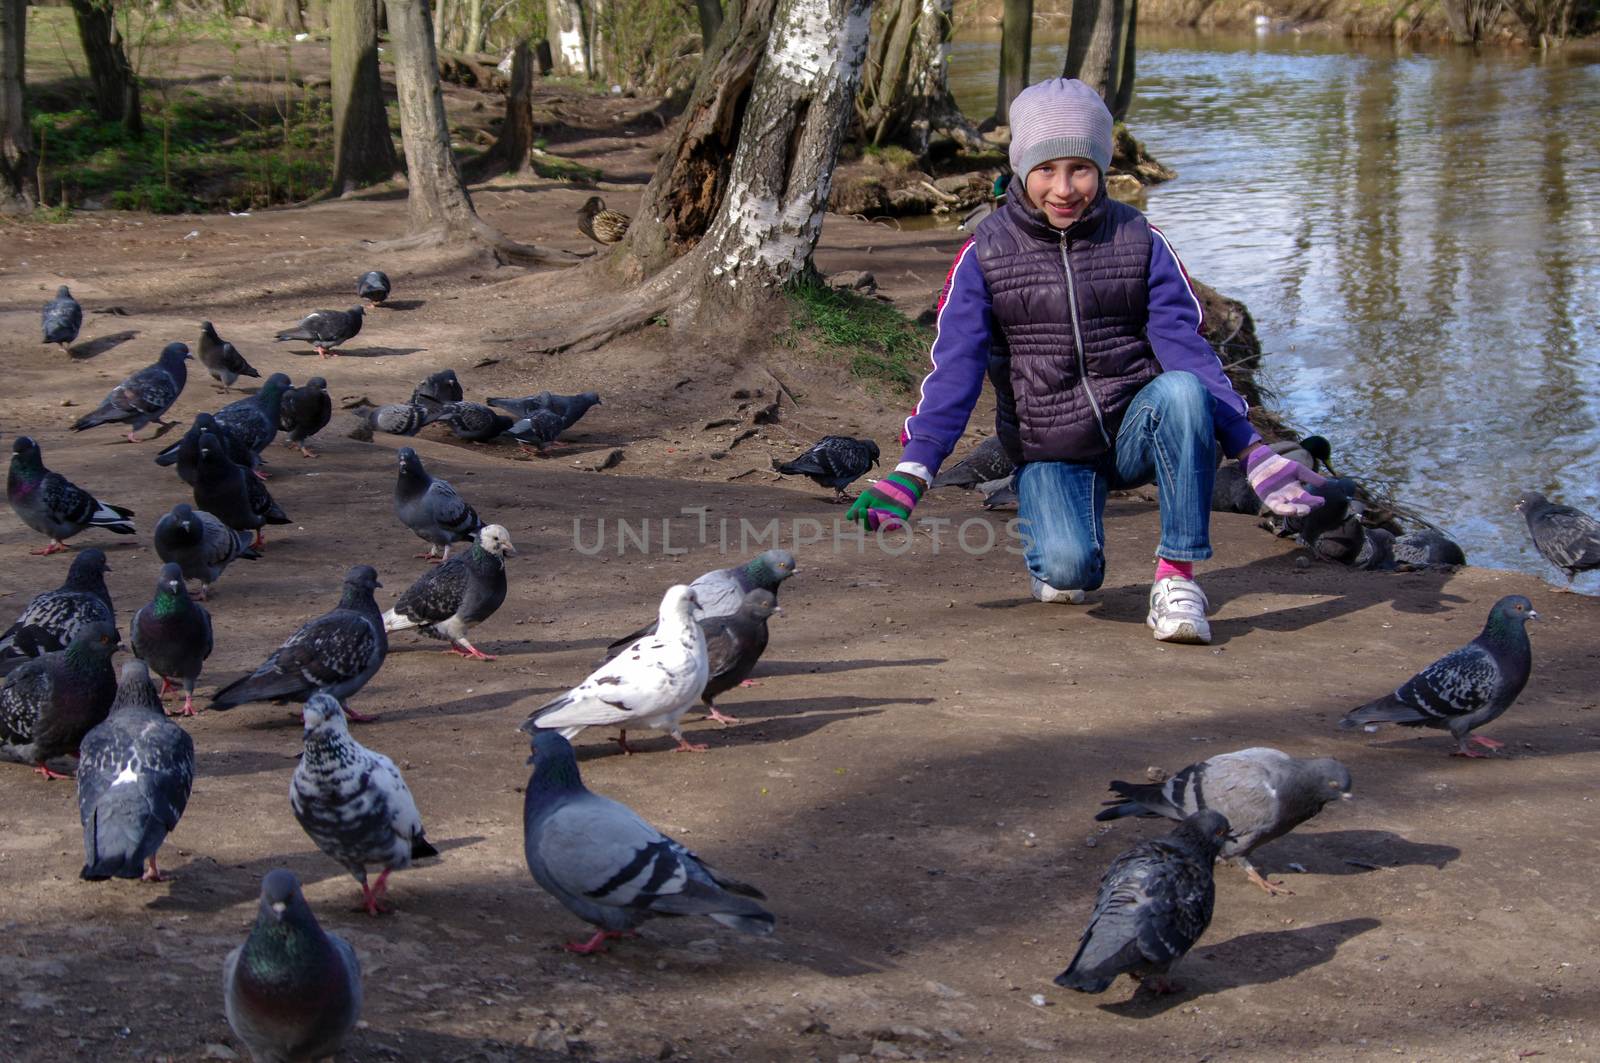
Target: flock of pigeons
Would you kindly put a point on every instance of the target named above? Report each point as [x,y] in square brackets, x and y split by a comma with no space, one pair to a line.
[293,991]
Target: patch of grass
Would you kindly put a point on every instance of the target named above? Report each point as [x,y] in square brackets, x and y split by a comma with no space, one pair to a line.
[556,168]
[892,156]
[877,342]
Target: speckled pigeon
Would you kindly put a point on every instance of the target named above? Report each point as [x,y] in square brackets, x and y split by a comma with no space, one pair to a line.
[612,869]
[200,544]
[400,418]
[353,802]
[539,429]
[448,601]
[144,396]
[1465,689]
[437,390]
[983,463]
[53,505]
[326,329]
[734,643]
[650,683]
[53,618]
[720,591]
[49,703]
[336,653]
[62,318]
[221,358]
[135,771]
[1154,902]
[1264,792]
[373,286]
[231,494]
[1568,538]
[303,412]
[473,421]
[569,408]
[834,461]
[291,992]
[431,507]
[172,634]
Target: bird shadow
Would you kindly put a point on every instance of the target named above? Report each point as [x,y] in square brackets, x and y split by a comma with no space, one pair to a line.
[160,431]
[401,304]
[487,701]
[82,352]
[362,352]
[776,668]
[790,709]
[1356,852]
[1249,959]
[1520,742]
[224,763]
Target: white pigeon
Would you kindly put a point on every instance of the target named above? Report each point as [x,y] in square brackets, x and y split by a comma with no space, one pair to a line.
[651,683]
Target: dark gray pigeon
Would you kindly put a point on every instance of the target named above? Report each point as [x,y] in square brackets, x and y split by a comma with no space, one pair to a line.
[440,388]
[231,494]
[185,453]
[983,463]
[135,771]
[539,429]
[353,802]
[144,396]
[473,421]
[303,412]
[720,591]
[172,634]
[1231,491]
[1154,902]
[448,601]
[431,508]
[400,418]
[1265,793]
[326,329]
[63,317]
[252,422]
[49,703]
[291,992]
[373,286]
[200,544]
[612,869]
[52,619]
[53,505]
[221,358]
[570,408]
[1567,538]
[734,643]
[834,461]
[335,653]
[1464,689]
[1427,548]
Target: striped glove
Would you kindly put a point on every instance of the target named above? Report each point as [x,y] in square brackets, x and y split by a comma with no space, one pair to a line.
[888,502]
[1281,483]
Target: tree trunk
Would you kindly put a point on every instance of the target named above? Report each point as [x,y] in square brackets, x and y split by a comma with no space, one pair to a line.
[18,164]
[569,37]
[116,89]
[1101,48]
[441,15]
[285,15]
[1123,99]
[710,18]
[511,147]
[475,26]
[363,150]
[918,102]
[1016,45]
[597,19]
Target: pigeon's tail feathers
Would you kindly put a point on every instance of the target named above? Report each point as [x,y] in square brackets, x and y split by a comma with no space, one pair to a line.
[531,724]
[760,924]
[1117,809]
[804,465]
[1083,981]
[1385,710]
[104,415]
[113,519]
[629,638]
[422,848]
[258,687]
[699,898]
[113,851]
[1138,799]
[393,621]
[295,334]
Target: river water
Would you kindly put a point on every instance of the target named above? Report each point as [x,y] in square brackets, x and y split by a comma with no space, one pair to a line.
[1417,234]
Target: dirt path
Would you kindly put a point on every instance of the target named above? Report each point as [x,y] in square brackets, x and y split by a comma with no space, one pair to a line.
[913,782]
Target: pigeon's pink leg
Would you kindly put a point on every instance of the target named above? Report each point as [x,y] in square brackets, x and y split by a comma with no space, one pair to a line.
[261,475]
[47,773]
[472,653]
[261,539]
[686,746]
[166,685]
[598,942]
[372,898]
[1274,889]
[622,740]
[1486,743]
[153,873]
[1466,750]
[188,703]
[359,717]
[305,451]
[133,437]
[748,683]
[719,716]
[55,546]
[323,352]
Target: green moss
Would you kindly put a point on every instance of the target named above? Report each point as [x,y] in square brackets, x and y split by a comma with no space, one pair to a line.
[874,340]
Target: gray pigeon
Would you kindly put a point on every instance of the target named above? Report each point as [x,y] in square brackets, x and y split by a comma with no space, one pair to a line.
[431,508]
[651,683]
[135,771]
[52,619]
[292,992]
[400,418]
[221,358]
[1427,548]
[1154,903]
[63,317]
[144,396]
[1231,491]
[373,286]
[172,634]
[539,429]
[353,802]
[232,494]
[252,422]
[200,544]
[612,869]
[1568,538]
[473,421]
[570,408]
[303,412]
[986,462]
[53,505]
[1265,793]
[185,453]
[720,591]
[439,389]
[448,601]
[49,703]
[326,329]
[1464,689]
[336,653]
[734,643]
[834,461]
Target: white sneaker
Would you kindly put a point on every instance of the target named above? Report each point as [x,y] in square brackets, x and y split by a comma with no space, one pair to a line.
[1178,611]
[1043,592]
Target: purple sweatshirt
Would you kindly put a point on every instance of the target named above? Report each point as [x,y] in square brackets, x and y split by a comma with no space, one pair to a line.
[960,358]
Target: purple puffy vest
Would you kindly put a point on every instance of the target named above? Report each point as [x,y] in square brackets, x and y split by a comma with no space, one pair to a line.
[1070,308]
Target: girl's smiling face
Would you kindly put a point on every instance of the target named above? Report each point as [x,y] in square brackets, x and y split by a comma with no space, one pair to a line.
[1063,189]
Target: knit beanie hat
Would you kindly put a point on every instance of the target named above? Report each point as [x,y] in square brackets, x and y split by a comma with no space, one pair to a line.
[1059,118]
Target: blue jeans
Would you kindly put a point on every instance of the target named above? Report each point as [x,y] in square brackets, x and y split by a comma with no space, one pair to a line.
[1167,436]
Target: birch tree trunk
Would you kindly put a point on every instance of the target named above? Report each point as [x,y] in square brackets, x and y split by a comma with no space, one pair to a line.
[116,90]
[363,150]
[1016,45]
[18,164]
[569,37]
[475,26]
[907,100]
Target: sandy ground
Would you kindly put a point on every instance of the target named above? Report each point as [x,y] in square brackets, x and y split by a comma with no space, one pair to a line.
[913,781]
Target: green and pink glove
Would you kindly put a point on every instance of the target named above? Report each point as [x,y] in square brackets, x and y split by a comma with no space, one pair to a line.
[1281,482]
[888,502]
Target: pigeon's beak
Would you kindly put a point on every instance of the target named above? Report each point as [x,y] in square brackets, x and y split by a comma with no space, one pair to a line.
[278,908]
[1533,614]
[511,551]
[1347,796]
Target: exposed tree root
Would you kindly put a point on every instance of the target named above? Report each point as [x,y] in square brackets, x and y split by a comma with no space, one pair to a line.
[506,251]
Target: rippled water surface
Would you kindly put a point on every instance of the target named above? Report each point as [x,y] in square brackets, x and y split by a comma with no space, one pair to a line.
[1418,237]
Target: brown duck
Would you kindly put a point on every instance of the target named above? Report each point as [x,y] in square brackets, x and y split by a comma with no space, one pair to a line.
[600,224]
